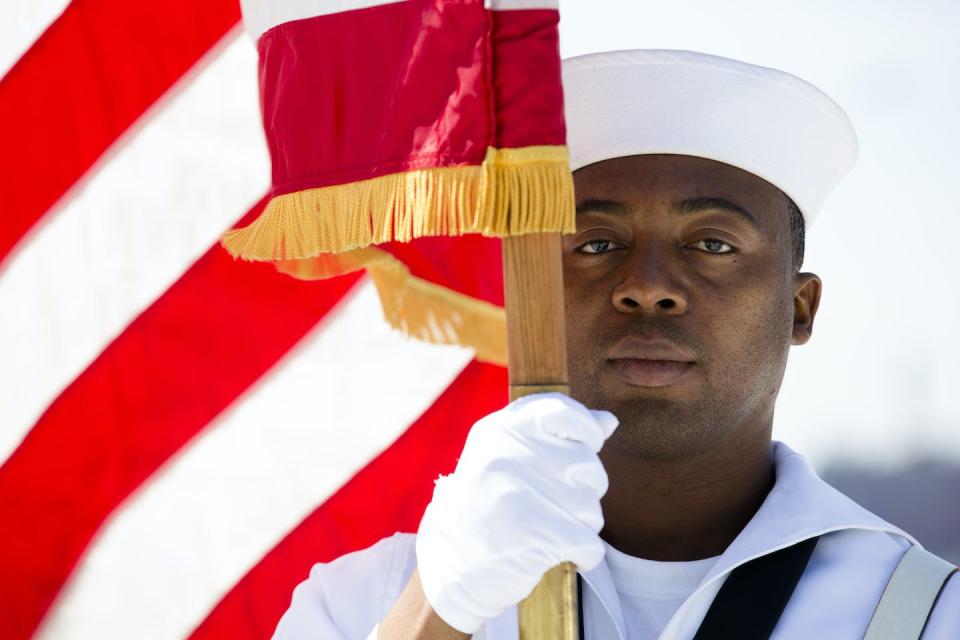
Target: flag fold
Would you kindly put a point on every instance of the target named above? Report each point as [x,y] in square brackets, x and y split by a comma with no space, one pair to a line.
[405,120]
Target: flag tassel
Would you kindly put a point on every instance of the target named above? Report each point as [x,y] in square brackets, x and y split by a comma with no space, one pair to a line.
[419,308]
[513,192]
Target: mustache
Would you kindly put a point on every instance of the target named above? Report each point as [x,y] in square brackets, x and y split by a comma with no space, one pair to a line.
[656,328]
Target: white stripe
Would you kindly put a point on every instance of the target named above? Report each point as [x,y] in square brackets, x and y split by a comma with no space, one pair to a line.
[21,23]
[510,5]
[128,234]
[170,554]
[260,16]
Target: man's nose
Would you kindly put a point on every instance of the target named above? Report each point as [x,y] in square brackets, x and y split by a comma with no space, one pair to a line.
[650,286]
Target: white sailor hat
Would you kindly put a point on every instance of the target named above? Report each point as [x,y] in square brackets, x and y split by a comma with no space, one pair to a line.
[765,121]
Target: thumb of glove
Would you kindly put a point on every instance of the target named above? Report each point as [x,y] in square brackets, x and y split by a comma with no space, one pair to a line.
[607,421]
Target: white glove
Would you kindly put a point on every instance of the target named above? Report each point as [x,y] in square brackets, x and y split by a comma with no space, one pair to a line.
[525,497]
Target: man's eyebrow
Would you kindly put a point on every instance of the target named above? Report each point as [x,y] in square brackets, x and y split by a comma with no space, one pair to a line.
[602,206]
[696,205]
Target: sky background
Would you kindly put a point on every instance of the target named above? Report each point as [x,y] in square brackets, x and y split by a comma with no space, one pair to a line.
[876,385]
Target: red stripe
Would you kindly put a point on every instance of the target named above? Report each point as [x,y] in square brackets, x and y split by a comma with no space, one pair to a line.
[94,72]
[388,495]
[470,264]
[179,364]
[395,91]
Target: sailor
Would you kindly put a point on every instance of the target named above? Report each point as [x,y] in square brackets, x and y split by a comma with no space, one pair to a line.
[695,178]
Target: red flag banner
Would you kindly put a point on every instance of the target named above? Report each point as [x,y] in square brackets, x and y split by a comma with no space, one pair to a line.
[405,120]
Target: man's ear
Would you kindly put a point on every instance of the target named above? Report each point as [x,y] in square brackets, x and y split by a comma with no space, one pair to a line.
[806,300]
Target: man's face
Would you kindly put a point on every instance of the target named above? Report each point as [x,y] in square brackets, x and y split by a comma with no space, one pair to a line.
[681,300]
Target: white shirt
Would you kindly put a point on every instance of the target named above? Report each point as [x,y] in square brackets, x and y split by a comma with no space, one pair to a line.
[650,592]
[834,600]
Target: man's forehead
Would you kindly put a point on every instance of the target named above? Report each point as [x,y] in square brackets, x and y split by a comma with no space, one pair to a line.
[681,185]
[685,207]
[685,177]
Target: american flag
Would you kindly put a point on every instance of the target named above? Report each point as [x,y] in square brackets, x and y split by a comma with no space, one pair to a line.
[181,435]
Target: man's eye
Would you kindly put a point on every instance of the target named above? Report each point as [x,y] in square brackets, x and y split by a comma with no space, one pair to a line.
[713,246]
[598,246]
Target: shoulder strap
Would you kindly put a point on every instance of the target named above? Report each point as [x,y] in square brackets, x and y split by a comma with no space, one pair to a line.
[754,595]
[909,596]
[751,600]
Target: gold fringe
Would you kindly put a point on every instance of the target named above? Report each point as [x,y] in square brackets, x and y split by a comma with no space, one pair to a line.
[514,192]
[419,308]
[324,232]
[526,190]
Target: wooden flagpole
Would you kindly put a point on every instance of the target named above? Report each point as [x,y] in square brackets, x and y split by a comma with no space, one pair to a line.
[537,360]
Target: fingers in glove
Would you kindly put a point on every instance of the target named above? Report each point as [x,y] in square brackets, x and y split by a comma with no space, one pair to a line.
[559,416]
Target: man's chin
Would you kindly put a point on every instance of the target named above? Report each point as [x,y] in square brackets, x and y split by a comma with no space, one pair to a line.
[671,421]
[659,429]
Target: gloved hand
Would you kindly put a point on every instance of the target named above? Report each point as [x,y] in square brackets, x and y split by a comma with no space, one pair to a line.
[525,497]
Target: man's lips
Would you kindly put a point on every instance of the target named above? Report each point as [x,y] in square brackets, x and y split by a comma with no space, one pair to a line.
[650,362]
[650,373]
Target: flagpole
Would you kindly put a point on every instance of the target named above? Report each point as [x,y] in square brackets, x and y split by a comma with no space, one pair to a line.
[537,361]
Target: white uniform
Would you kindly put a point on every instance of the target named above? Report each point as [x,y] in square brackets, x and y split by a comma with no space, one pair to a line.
[835,599]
